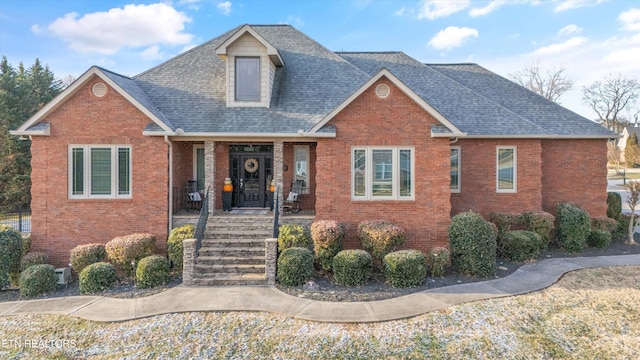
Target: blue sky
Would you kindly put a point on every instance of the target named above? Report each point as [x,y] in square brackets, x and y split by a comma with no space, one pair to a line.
[590,38]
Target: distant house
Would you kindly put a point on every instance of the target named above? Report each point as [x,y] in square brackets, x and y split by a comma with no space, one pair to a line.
[627,132]
[367,135]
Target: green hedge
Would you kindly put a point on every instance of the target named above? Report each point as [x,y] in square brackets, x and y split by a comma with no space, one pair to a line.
[614,205]
[621,233]
[153,271]
[327,236]
[573,227]
[295,266]
[292,235]
[37,280]
[97,277]
[604,223]
[472,241]
[405,268]
[26,243]
[10,253]
[33,258]
[84,255]
[439,258]
[541,223]
[380,237]
[599,239]
[352,267]
[175,249]
[123,250]
[520,245]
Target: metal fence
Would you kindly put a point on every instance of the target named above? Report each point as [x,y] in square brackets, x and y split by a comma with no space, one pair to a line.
[20,220]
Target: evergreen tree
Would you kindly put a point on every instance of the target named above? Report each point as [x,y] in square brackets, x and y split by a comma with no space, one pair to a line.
[632,151]
[22,94]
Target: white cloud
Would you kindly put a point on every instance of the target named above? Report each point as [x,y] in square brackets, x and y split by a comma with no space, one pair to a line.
[630,19]
[132,26]
[490,7]
[36,29]
[563,5]
[152,53]
[433,9]
[191,4]
[561,47]
[452,37]
[293,20]
[225,7]
[570,29]
[400,12]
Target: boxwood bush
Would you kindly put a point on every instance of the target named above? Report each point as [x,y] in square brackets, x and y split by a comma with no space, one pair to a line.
[599,239]
[604,223]
[292,235]
[472,241]
[573,227]
[97,277]
[37,280]
[439,258]
[84,255]
[622,229]
[327,236]
[10,253]
[380,237]
[541,223]
[152,271]
[614,205]
[352,267]
[175,250]
[295,266]
[405,268]
[33,258]
[123,250]
[520,245]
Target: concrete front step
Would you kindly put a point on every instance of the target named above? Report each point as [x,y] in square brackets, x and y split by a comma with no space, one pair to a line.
[234,242]
[218,233]
[230,260]
[231,279]
[201,270]
[231,251]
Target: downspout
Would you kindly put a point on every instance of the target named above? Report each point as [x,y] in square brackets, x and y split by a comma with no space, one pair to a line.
[170,207]
[453,141]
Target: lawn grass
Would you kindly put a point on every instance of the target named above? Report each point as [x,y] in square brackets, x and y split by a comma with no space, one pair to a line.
[588,314]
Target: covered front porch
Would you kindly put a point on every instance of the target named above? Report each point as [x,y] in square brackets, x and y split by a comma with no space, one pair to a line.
[258,172]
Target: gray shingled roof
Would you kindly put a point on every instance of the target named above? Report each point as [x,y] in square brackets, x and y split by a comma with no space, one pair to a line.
[188,92]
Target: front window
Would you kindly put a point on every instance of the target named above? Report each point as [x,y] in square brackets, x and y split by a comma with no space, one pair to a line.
[382,173]
[198,165]
[454,159]
[247,79]
[99,171]
[506,173]
[301,153]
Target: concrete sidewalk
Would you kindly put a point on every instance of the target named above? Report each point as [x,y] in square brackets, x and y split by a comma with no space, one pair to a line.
[528,278]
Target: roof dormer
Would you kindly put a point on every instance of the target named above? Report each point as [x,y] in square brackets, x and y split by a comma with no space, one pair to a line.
[251,64]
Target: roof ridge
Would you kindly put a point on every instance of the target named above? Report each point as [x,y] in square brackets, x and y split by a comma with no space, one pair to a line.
[450,64]
[544,131]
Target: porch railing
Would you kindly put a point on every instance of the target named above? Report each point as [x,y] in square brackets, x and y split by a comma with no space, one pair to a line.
[276,213]
[187,199]
[202,221]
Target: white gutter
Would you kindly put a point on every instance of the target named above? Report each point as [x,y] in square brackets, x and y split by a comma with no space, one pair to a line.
[170,207]
[548,136]
[243,135]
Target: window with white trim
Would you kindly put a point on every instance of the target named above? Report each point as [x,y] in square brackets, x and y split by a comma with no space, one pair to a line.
[198,166]
[301,161]
[382,173]
[99,171]
[506,169]
[454,159]
[247,84]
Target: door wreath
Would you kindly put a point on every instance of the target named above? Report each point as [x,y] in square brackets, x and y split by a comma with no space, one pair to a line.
[251,165]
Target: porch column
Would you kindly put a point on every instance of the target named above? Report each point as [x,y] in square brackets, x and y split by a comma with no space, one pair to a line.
[210,172]
[278,162]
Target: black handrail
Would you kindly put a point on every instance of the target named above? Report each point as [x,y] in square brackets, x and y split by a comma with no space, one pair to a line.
[276,214]
[202,221]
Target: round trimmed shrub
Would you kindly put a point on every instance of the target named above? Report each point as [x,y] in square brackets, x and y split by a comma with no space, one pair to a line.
[520,245]
[174,243]
[614,205]
[123,250]
[352,267]
[380,237]
[472,241]
[10,253]
[84,255]
[295,266]
[439,257]
[599,239]
[327,236]
[33,258]
[37,280]
[573,227]
[97,277]
[622,228]
[292,235]
[405,268]
[541,223]
[152,271]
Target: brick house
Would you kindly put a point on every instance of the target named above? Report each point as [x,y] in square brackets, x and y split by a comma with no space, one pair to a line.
[365,136]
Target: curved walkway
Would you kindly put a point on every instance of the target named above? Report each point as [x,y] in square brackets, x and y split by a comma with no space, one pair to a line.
[528,278]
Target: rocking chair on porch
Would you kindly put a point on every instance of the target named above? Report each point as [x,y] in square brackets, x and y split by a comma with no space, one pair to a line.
[292,203]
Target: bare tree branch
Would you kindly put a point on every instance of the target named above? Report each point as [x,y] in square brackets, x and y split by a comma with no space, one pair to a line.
[610,97]
[551,85]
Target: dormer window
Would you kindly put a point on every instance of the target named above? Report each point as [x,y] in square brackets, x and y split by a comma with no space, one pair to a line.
[247,80]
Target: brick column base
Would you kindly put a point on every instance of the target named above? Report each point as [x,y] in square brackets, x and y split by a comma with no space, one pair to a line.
[188,261]
[271,257]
